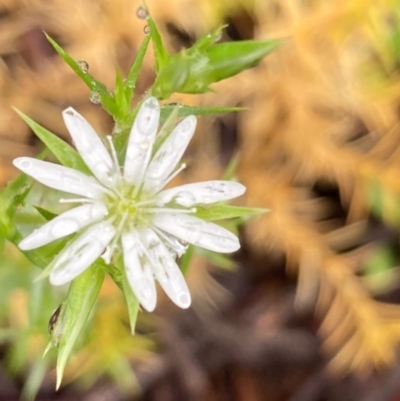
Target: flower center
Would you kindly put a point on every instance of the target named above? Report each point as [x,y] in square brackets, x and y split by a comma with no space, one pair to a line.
[127,210]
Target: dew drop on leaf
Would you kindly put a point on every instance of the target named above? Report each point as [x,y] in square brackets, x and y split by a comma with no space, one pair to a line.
[95,97]
[142,12]
[83,66]
[146,30]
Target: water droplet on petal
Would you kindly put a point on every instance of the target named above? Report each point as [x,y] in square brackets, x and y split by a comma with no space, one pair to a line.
[26,164]
[83,66]
[184,299]
[146,30]
[144,145]
[95,97]
[142,12]
[185,198]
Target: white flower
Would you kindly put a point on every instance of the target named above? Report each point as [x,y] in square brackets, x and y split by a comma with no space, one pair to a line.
[126,207]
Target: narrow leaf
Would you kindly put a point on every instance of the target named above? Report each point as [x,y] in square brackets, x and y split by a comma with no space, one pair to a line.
[184,111]
[228,59]
[223,211]
[130,83]
[82,295]
[107,100]
[64,153]
[160,51]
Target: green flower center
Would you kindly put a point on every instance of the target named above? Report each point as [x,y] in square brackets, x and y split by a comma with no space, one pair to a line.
[128,210]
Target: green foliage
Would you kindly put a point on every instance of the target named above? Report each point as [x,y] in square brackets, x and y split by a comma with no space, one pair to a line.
[221,211]
[75,312]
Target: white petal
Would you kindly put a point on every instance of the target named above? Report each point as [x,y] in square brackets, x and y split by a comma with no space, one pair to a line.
[78,256]
[198,232]
[166,270]
[90,146]
[170,152]
[63,225]
[141,140]
[59,177]
[138,272]
[201,193]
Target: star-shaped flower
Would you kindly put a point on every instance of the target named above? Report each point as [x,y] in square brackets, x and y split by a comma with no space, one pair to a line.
[128,208]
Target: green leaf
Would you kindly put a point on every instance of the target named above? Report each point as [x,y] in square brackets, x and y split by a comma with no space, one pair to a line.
[131,301]
[46,213]
[173,77]
[82,295]
[34,380]
[210,39]
[230,171]
[195,69]
[184,111]
[130,83]
[17,190]
[217,259]
[228,59]
[106,98]
[64,153]
[160,51]
[223,211]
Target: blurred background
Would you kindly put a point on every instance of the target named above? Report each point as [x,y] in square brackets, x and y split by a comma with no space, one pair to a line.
[308,310]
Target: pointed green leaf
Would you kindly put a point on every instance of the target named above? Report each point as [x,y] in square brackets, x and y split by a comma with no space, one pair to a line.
[130,83]
[82,295]
[97,88]
[174,76]
[195,69]
[230,171]
[160,51]
[184,111]
[210,39]
[64,153]
[34,380]
[17,190]
[223,211]
[228,59]
[217,259]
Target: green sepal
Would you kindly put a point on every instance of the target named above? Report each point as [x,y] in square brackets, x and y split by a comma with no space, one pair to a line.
[64,152]
[45,213]
[184,262]
[221,211]
[106,98]
[120,98]
[131,302]
[75,311]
